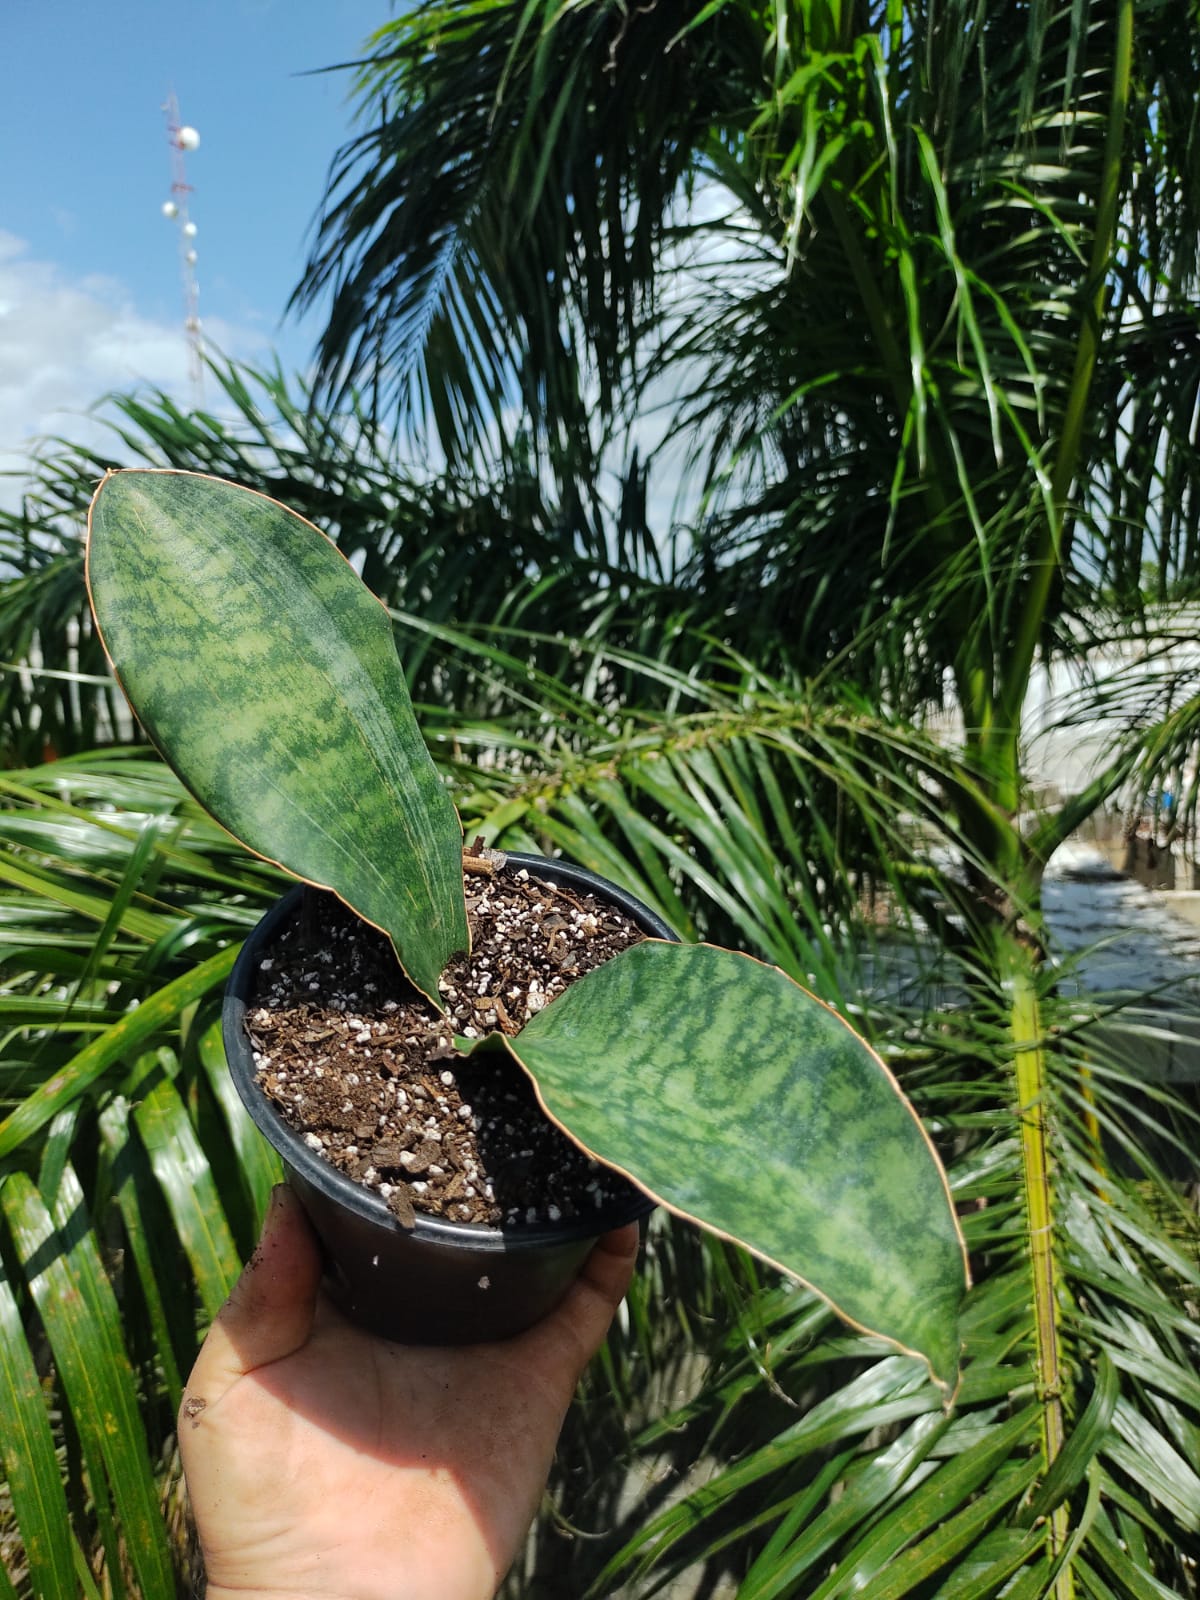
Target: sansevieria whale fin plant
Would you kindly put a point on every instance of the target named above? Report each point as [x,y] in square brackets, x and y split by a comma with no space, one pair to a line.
[266,674]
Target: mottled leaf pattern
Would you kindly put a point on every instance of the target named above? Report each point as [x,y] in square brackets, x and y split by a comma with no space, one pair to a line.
[266,673]
[740,1100]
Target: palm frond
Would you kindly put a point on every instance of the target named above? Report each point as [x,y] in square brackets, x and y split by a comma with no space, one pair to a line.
[485,545]
[123,1210]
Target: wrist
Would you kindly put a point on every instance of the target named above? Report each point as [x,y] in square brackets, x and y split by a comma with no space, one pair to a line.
[220,1591]
[217,1591]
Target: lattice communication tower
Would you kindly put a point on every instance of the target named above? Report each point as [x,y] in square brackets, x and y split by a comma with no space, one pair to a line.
[183,138]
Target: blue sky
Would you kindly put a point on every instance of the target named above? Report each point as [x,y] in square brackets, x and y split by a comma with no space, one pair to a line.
[90,288]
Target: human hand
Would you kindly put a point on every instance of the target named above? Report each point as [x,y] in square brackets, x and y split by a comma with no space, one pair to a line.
[326,1464]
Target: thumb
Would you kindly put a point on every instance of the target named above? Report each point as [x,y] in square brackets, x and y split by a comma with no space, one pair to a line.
[570,1336]
[269,1314]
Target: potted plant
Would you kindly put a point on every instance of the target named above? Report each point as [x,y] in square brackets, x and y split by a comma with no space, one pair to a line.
[484,1267]
[266,674]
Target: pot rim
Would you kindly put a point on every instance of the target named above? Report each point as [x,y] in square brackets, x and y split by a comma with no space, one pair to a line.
[365,1202]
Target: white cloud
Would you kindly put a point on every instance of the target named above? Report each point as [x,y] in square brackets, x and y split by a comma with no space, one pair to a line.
[65,343]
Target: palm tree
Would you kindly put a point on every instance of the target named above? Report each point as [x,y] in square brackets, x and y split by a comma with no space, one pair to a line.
[920,284]
[735,1434]
[916,284]
[918,279]
[481,542]
[815,1467]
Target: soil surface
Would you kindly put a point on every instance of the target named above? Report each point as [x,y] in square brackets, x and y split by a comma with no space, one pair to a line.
[365,1068]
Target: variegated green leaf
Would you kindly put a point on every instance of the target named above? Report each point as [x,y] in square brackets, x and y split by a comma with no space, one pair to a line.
[265,672]
[739,1100]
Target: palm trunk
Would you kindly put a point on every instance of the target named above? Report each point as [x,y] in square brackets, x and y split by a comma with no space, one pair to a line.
[1029,1060]
[997,726]
[1017,956]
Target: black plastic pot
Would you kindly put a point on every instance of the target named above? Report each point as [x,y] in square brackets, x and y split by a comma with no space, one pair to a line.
[439,1282]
